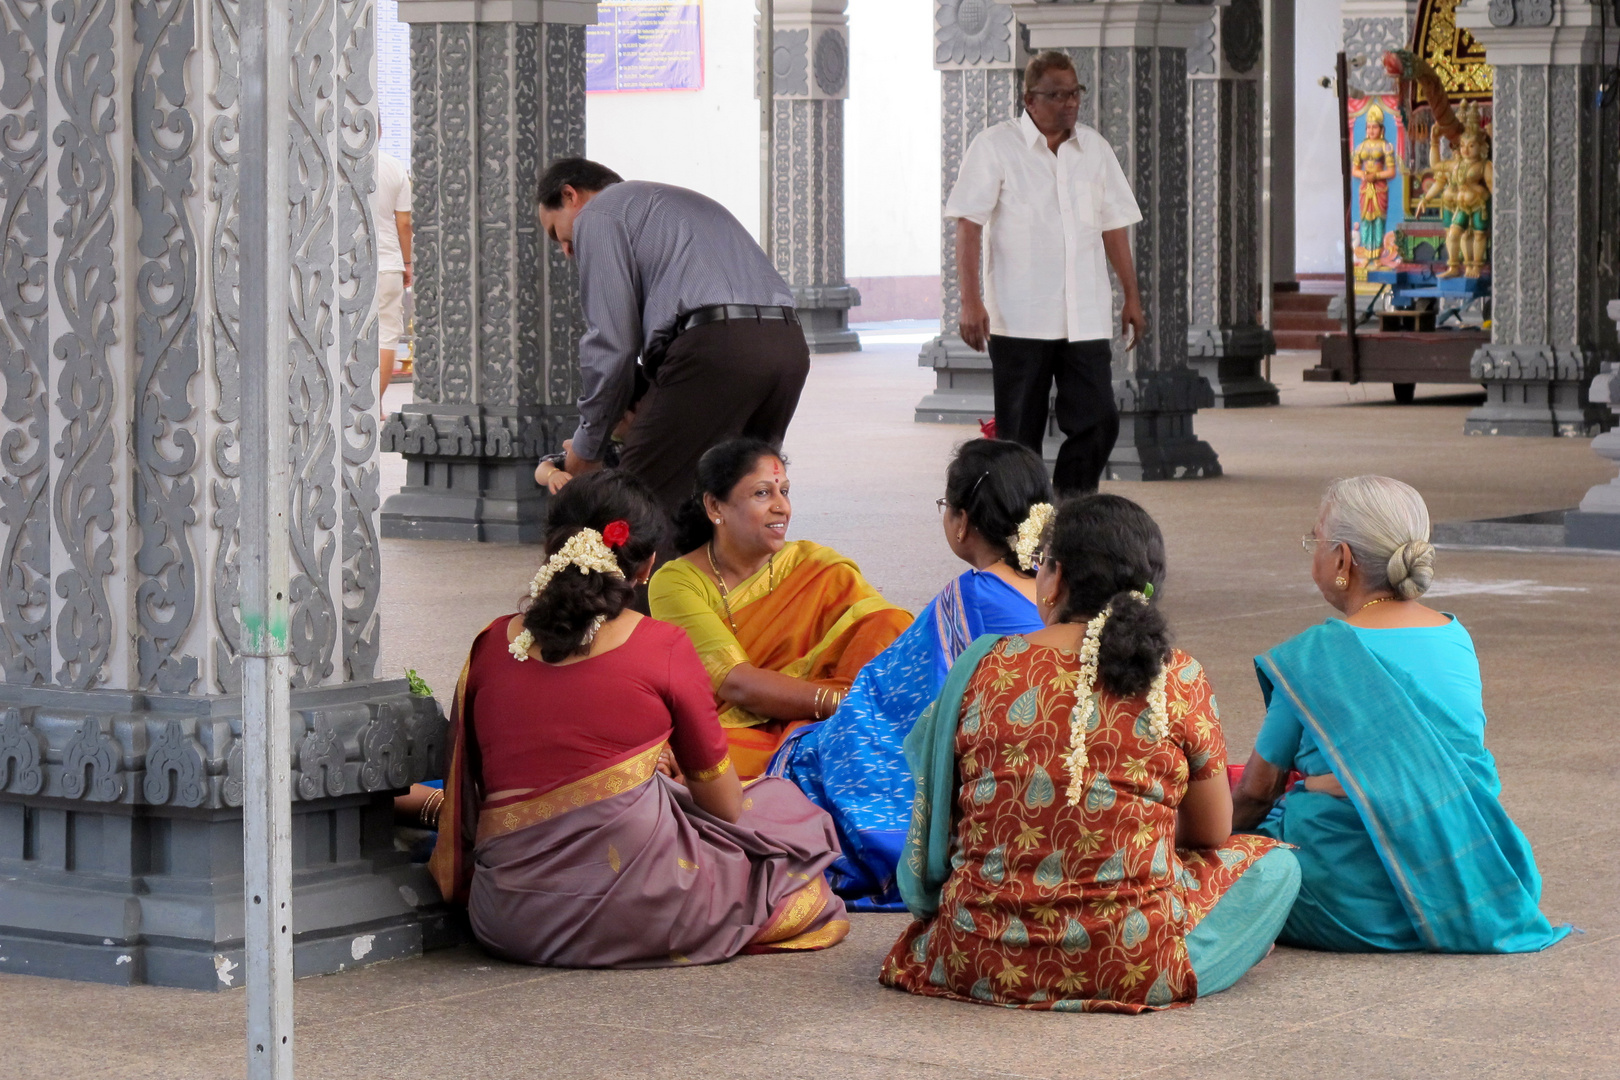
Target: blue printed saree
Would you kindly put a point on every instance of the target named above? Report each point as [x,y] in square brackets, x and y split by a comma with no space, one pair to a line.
[1421,855]
[852,764]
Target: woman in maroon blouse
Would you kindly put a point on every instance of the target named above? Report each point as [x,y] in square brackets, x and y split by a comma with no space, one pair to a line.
[591,814]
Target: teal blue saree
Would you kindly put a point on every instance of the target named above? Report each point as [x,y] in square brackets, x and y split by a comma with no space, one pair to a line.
[1421,855]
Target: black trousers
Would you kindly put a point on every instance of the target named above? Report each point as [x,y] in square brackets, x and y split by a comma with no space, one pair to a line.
[715,381]
[1023,370]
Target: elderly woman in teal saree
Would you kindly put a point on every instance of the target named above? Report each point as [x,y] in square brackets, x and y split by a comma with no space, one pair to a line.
[1403,842]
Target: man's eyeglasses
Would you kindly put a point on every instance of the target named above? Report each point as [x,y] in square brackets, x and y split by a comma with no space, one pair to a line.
[1062,97]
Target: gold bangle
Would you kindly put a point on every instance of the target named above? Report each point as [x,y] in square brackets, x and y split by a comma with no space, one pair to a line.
[428,816]
[821,703]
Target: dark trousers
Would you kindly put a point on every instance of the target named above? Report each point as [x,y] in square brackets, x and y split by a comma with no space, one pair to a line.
[1022,371]
[716,381]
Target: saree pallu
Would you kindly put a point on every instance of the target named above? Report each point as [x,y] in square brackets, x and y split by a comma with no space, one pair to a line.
[622,869]
[1421,855]
[853,764]
[809,615]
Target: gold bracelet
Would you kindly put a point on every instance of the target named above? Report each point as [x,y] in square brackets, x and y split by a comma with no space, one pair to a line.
[428,816]
[821,704]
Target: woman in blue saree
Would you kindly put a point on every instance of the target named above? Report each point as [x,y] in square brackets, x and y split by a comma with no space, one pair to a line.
[852,764]
[1403,842]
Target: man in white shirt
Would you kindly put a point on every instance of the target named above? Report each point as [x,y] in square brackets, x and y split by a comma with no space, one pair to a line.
[1058,209]
[391,208]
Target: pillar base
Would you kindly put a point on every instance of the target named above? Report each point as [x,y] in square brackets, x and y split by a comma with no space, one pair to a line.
[1156,440]
[1597,523]
[824,314]
[963,392]
[1229,359]
[121,833]
[470,472]
[1537,390]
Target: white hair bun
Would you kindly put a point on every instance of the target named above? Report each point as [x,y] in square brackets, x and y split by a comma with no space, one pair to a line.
[1411,569]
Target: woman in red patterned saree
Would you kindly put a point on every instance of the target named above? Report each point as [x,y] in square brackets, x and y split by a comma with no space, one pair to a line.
[562,829]
[1070,845]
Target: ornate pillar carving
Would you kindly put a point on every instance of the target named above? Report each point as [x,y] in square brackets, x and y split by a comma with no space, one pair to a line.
[980,57]
[120,721]
[1132,54]
[1225,342]
[1555,239]
[497,92]
[1597,523]
[811,73]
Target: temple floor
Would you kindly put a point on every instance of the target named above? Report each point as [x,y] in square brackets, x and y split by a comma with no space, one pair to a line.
[864,481]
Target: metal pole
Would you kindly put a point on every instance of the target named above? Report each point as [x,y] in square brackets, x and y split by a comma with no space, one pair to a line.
[1351,315]
[266,789]
[1267,286]
[767,121]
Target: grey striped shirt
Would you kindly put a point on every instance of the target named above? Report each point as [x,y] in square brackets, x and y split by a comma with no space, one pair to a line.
[648,254]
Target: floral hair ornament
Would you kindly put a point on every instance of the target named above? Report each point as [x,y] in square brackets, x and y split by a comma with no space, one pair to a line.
[1085,707]
[586,550]
[1030,533]
[616,534]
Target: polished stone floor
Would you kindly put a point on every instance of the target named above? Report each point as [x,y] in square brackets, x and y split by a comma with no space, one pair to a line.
[865,478]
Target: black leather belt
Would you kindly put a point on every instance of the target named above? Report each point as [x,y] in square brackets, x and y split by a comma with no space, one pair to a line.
[727,312]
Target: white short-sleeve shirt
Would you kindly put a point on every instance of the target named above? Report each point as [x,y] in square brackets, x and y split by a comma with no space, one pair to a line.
[1046,275]
[393,195]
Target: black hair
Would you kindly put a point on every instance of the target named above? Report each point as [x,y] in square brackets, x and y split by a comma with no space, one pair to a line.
[581,174]
[720,469]
[1108,547]
[561,616]
[995,482]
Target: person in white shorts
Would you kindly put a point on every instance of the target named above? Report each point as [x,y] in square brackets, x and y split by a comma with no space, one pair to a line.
[391,207]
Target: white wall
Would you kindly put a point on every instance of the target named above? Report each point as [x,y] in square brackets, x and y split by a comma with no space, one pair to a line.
[891,141]
[708,139]
[1318,195]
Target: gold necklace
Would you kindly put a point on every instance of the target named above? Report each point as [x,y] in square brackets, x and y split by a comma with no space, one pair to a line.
[725,593]
[1370,603]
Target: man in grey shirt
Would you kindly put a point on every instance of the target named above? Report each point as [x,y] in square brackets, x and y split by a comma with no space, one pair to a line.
[670,276]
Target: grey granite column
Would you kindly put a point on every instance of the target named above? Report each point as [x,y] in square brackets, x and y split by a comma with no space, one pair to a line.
[1597,523]
[496,94]
[811,73]
[120,719]
[1555,239]
[981,60]
[1132,54]
[1226,343]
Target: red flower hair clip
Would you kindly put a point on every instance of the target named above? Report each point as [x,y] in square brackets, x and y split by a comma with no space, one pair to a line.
[617,533]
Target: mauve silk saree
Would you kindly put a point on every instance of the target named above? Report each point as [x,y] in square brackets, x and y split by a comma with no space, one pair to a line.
[622,869]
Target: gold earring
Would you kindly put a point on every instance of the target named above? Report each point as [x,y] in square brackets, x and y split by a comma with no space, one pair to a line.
[1342,582]
[961,536]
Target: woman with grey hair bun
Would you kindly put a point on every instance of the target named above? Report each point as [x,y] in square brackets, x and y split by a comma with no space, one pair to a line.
[1402,840]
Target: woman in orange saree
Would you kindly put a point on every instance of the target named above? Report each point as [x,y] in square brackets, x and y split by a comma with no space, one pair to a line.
[782,627]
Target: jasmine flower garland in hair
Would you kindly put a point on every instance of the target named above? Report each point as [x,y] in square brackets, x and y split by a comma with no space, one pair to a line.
[1030,533]
[1086,703]
[586,550]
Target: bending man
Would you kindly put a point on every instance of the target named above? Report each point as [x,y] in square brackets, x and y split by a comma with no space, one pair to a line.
[670,276]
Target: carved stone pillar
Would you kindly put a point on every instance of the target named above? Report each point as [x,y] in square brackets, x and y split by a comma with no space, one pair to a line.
[497,93]
[1132,55]
[120,720]
[1226,343]
[981,61]
[1555,236]
[1372,28]
[811,73]
[1597,523]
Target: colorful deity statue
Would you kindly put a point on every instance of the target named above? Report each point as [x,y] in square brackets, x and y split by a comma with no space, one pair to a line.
[1374,165]
[1462,186]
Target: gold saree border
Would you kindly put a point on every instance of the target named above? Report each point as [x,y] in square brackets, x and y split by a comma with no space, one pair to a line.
[614,780]
[796,914]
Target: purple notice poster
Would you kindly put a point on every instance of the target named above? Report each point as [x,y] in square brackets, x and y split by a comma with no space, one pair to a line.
[645,45]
